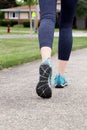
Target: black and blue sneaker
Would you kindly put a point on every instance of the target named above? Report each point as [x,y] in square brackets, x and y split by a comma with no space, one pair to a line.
[43,88]
[60,81]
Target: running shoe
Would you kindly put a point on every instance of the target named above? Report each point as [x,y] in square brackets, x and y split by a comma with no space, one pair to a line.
[60,81]
[43,88]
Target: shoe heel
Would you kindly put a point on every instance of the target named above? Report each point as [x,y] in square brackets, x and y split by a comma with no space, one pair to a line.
[43,89]
[45,70]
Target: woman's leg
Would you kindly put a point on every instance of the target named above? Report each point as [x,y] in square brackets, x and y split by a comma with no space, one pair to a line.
[65,40]
[46,33]
[65,35]
[47,25]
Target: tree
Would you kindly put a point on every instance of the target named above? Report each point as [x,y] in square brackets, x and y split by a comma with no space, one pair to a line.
[7,4]
[30,3]
[20,3]
[81,14]
[81,8]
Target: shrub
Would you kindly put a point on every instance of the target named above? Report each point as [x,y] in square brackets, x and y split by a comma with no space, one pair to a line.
[1,15]
[6,22]
[13,22]
[26,24]
[0,22]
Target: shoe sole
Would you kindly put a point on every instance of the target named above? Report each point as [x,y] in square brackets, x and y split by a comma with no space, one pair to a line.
[43,88]
[61,86]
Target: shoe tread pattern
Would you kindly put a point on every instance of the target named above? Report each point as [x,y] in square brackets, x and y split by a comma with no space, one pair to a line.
[43,88]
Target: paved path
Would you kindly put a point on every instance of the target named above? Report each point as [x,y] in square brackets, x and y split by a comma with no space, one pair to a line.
[18,36]
[22,109]
[56,34]
[75,34]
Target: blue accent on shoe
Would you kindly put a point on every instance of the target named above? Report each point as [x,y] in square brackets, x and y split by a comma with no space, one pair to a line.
[60,81]
[47,61]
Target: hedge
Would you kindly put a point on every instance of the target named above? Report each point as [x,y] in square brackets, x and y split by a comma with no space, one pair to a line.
[26,24]
[1,15]
[8,22]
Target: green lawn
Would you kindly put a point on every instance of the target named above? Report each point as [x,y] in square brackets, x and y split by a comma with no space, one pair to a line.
[15,30]
[21,30]
[18,51]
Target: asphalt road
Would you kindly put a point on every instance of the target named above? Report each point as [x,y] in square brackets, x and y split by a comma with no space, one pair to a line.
[22,109]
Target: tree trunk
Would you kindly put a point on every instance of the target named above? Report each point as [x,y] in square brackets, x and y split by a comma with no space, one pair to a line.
[30,18]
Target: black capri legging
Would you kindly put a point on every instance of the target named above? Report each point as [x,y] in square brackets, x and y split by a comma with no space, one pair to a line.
[47,25]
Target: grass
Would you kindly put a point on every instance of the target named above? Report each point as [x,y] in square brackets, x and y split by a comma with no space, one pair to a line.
[18,51]
[14,30]
[18,29]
